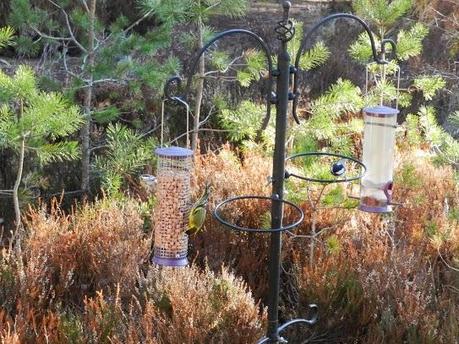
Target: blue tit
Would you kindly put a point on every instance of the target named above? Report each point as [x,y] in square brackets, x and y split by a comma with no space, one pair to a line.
[339,168]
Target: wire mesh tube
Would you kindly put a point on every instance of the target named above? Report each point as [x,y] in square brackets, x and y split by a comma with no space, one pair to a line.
[174,202]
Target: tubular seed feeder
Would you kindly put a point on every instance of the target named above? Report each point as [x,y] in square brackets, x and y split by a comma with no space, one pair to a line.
[174,195]
[378,157]
[284,74]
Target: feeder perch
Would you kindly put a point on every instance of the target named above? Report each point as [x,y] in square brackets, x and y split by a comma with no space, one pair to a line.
[378,157]
[174,203]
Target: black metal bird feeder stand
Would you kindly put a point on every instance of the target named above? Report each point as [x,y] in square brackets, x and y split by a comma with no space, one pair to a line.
[285,74]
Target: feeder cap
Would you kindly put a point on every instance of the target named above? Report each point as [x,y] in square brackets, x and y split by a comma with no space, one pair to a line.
[177,152]
[381,111]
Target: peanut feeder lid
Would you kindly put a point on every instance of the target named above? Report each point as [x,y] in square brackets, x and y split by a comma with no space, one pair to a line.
[177,152]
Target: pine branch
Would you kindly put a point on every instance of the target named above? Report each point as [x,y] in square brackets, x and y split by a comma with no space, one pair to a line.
[429,85]
[6,36]
[69,27]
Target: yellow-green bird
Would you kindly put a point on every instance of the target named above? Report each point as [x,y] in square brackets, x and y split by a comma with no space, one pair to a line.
[198,213]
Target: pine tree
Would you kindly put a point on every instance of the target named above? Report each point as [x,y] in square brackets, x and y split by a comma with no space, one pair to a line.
[127,153]
[383,16]
[243,121]
[198,13]
[34,124]
[107,55]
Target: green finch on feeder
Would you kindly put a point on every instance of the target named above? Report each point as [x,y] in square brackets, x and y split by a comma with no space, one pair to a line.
[198,213]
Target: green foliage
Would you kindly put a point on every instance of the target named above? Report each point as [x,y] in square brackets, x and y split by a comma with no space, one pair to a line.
[58,152]
[337,197]
[383,13]
[127,153]
[193,10]
[325,124]
[107,53]
[413,132]
[266,220]
[454,118]
[70,325]
[334,197]
[385,90]
[189,39]
[453,214]
[41,119]
[434,134]
[6,36]
[409,43]
[426,128]
[244,121]
[220,60]
[429,85]
[360,50]
[342,97]
[120,54]
[333,244]
[431,229]
[167,11]
[34,125]
[254,65]
[408,177]
[106,115]
[312,58]
[316,169]
[22,15]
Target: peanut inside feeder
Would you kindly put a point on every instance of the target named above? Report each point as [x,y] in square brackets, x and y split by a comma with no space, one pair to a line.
[174,203]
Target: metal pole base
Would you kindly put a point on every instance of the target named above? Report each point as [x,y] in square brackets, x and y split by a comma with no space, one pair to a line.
[278,339]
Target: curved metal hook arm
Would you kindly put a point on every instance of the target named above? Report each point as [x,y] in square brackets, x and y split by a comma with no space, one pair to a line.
[176,79]
[327,19]
[311,321]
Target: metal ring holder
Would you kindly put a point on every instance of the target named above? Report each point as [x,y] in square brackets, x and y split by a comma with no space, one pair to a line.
[219,217]
[327,181]
[284,74]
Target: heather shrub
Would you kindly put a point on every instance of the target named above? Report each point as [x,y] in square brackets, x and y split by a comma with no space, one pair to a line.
[8,280]
[82,278]
[67,257]
[193,306]
[245,253]
[389,278]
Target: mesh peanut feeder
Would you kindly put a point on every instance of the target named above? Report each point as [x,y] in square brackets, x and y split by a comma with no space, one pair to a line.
[174,202]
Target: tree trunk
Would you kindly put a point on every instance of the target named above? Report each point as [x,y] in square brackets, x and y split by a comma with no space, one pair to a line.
[200,88]
[86,130]
[17,209]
